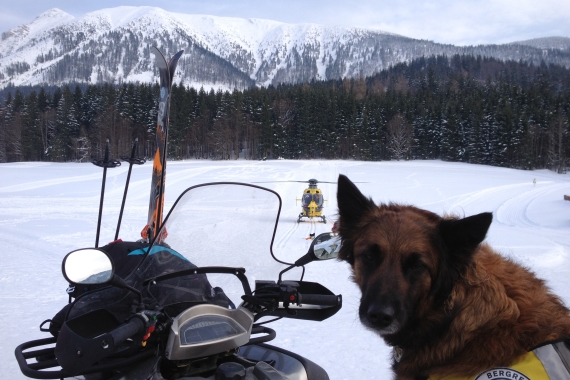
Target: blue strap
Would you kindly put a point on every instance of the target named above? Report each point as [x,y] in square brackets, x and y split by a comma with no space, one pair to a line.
[156,249]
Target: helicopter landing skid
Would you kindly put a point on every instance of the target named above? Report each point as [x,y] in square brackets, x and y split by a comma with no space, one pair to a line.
[324,218]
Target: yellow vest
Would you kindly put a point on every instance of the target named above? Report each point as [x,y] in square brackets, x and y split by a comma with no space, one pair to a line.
[543,363]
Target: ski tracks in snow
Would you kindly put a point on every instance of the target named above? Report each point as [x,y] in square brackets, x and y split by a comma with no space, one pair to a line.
[510,203]
[520,210]
[57,181]
[286,236]
[515,211]
[291,240]
[479,200]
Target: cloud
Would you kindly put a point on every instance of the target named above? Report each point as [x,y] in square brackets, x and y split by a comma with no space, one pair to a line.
[461,22]
[471,22]
[10,20]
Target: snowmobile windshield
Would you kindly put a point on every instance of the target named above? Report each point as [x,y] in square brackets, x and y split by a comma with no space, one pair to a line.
[224,224]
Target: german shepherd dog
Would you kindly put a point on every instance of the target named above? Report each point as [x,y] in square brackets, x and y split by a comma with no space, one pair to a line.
[444,300]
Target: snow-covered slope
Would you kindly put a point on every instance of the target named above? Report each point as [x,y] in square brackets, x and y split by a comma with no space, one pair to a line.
[26,35]
[112,45]
[562,43]
[50,209]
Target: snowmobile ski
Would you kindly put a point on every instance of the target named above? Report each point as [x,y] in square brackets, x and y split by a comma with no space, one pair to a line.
[155,209]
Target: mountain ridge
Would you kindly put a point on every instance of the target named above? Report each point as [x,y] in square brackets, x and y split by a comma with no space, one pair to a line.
[113,45]
[553,42]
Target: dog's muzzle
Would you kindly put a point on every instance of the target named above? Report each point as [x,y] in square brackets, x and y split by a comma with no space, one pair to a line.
[383,318]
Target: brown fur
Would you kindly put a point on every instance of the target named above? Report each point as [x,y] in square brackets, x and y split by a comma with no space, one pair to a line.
[432,288]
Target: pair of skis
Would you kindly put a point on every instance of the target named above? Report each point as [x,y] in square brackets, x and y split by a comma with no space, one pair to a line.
[156,202]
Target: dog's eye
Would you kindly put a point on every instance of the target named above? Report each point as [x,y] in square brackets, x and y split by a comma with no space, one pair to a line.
[414,263]
[368,257]
[371,256]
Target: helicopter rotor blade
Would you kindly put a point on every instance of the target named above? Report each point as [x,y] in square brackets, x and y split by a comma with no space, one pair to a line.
[281,181]
[301,181]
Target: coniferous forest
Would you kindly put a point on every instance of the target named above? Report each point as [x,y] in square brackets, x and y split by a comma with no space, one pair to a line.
[460,108]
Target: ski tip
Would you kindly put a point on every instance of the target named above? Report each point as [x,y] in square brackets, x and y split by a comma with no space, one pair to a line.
[174,59]
[157,52]
[173,63]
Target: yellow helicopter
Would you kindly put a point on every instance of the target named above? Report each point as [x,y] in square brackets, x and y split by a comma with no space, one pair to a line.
[312,201]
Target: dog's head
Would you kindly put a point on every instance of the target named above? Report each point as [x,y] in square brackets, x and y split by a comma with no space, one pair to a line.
[405,260]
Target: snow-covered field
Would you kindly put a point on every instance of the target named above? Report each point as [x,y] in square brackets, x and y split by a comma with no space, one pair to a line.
[48,209]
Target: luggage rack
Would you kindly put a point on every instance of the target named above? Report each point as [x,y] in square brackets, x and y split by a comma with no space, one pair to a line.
[47,360]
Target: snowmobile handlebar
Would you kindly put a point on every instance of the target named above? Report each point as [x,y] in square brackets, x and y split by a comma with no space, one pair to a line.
[134,326]
[77,349]
[319,299]
[306,293]
[293,299]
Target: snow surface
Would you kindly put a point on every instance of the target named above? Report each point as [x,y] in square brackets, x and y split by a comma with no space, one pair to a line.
[50,209]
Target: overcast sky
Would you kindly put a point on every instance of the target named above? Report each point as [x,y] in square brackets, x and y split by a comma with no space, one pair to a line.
[458,22]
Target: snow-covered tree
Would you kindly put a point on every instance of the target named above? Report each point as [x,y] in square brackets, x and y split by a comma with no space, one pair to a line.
[400,137]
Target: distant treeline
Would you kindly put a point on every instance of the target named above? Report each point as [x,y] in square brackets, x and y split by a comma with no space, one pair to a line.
[460,108]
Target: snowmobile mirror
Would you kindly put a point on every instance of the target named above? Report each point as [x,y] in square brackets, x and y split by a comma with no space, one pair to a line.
[326,246]
[88,267]
[323,247]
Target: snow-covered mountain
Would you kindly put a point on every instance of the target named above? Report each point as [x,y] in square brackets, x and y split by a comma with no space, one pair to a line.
[113,45]
[561,43]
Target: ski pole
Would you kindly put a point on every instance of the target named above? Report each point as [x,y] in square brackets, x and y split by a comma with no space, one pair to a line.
[131,160]
[105,163]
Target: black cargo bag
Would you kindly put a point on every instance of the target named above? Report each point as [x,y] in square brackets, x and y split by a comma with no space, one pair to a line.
[173,296]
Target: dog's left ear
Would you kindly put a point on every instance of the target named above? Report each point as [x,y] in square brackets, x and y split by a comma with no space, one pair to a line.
[467,233]
[352,205]
[460,238]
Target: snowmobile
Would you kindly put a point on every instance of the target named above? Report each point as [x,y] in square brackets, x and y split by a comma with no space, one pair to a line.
[148,309]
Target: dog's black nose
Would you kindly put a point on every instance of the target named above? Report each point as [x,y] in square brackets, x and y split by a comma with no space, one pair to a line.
[381,315]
